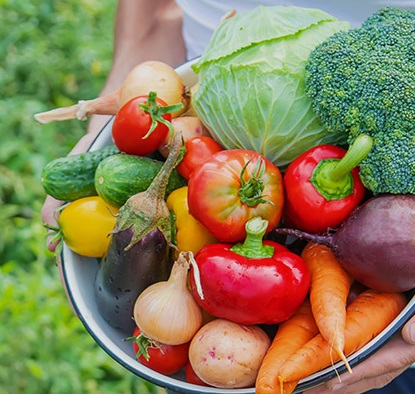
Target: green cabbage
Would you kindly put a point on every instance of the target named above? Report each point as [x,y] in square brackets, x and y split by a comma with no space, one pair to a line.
[251,92]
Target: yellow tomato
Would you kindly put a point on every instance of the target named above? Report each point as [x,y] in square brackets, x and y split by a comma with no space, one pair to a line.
[86,224]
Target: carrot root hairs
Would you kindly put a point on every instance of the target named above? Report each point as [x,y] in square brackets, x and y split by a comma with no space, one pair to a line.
[367,316]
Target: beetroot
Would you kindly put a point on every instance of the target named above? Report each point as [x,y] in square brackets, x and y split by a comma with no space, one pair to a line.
[376,243]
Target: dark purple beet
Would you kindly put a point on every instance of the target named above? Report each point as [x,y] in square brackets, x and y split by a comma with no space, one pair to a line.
[376,243]
[123,275]
[138,254]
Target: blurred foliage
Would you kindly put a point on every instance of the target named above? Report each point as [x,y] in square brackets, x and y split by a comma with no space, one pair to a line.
[52,53]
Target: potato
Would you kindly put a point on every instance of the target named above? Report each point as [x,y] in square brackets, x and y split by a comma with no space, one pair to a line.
[228,355]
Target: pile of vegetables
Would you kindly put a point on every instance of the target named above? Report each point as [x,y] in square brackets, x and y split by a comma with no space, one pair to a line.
[191,208]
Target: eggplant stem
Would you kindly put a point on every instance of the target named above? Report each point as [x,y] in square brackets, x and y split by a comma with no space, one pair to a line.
[157,188]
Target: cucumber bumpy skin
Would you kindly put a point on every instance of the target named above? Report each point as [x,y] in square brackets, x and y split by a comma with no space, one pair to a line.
[119,177]
[71,177]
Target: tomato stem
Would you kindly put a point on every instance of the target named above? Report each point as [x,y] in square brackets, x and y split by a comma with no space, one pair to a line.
[157,112]
[144,343]
[332,178]
[250,191]
[253,248]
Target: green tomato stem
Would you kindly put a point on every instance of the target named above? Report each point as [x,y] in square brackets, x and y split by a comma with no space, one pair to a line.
[253,248]
[144,343]
[332,178]
[250,191]
[156,112]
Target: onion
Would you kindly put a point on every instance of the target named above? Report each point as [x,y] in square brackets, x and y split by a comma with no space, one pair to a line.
[146,77]
[166,311]
[188,126]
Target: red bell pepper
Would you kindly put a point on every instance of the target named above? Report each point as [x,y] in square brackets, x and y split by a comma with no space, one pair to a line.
[323,186]
[251,283]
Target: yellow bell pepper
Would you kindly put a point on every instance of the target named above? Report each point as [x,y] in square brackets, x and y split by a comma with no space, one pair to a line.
[191,235]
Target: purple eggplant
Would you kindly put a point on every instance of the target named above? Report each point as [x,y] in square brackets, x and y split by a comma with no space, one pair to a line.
[124,274]
[376,243]
[139,250]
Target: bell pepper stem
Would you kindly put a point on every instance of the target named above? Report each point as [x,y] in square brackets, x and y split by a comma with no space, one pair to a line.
[332,178]
[253,246]
[354,155]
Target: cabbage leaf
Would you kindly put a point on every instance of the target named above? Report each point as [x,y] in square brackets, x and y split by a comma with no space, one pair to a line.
[251,92]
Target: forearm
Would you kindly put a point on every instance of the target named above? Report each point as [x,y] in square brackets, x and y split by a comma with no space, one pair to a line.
[143,30]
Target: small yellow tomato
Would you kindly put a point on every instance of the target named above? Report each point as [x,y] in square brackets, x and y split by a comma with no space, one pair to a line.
[86,224]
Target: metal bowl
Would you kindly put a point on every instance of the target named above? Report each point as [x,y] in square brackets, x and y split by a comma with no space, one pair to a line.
[79,274]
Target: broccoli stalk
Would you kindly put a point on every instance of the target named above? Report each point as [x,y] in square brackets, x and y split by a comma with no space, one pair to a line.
[362,81]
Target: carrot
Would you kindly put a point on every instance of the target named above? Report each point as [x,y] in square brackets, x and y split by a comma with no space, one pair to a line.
[329,289]
[368,315]
[291,335]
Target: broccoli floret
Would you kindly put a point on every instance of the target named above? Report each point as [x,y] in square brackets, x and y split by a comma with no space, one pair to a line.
[363,81]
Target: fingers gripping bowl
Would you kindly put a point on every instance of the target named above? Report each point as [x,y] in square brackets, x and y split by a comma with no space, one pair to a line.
[79,274]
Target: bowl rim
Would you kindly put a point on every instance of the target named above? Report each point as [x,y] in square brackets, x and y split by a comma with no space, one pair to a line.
[171,382]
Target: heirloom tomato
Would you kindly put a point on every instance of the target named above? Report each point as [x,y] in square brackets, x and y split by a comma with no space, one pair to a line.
[232,187]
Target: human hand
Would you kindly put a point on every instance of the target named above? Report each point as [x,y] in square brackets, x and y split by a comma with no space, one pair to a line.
[49,213]
[379,369]
[51,205]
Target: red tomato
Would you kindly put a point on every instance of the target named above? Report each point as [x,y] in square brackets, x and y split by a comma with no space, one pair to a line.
[132,124]
[232,187]
[191,376]
[166,359]
[198,151]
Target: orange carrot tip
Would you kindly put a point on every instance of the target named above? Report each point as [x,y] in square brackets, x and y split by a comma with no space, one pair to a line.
[369,314]
[286,387]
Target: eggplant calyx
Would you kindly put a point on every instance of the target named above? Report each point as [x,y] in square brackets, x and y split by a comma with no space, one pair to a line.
[146,211]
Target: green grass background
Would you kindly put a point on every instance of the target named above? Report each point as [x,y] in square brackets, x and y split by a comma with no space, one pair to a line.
[52,53]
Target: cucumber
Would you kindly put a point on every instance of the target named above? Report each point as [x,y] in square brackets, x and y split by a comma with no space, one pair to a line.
[71,177]
[119,177]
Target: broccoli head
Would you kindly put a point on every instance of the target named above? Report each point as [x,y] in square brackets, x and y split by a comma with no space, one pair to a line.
[363,81]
